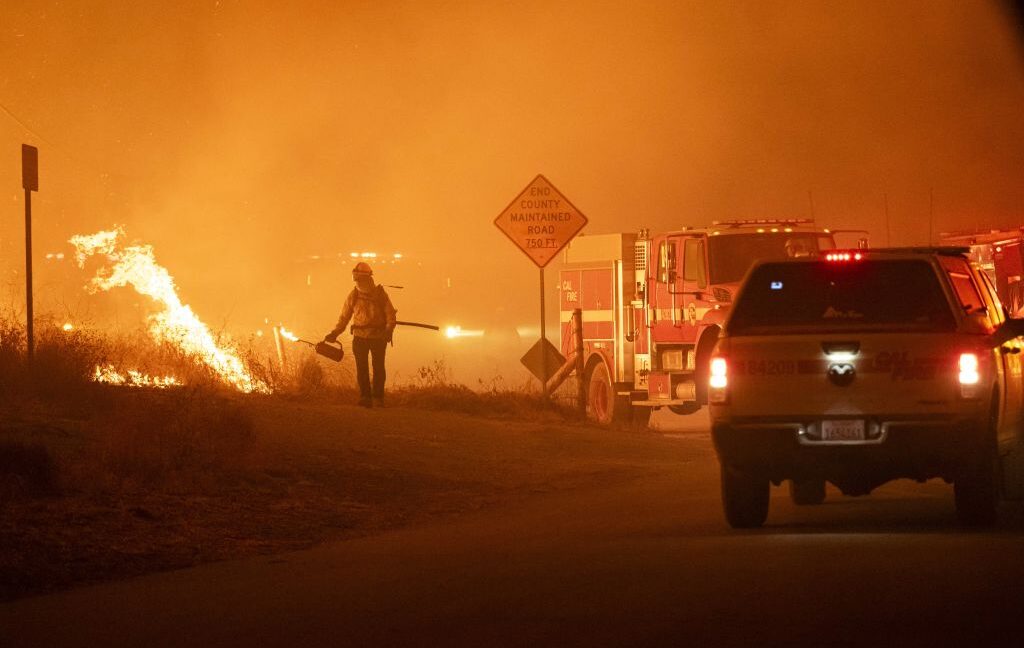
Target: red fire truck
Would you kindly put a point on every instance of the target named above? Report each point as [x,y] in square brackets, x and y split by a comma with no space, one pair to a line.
[653,306]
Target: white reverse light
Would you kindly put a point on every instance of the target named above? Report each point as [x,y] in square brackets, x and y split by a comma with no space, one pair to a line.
[969,369]
[719,374]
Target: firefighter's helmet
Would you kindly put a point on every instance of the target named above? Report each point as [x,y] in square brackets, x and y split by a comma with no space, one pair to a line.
[362,269]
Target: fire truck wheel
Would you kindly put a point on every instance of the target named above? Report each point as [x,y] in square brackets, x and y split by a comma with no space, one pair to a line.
[704,349]
[744,498]
[604,406]
[807,492]
[685,410]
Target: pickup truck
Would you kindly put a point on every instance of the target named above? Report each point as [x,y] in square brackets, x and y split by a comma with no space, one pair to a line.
[863,366]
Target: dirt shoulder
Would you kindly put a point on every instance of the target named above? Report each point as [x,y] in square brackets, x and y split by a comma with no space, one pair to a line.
[163,482]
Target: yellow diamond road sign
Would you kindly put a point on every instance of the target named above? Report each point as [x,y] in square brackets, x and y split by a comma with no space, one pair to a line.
[541,221]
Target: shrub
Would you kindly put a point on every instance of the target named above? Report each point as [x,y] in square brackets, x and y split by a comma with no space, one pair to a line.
[26,469]
[309,376]
[185,436]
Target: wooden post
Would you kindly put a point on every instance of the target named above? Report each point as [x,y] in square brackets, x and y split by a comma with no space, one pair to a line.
[281,358]
[581,387]
[30,338]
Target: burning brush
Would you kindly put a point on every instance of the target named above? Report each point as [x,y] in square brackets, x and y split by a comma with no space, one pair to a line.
[172,321]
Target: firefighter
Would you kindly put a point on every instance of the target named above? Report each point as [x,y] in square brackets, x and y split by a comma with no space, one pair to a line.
[369,309]
[798,248]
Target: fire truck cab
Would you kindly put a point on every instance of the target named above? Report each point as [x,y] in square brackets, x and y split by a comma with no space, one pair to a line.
[653,306]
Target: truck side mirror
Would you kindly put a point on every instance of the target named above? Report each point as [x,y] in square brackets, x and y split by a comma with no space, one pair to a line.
[1006,331]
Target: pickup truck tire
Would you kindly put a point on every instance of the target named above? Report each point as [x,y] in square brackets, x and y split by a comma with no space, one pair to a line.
[807,492]
[744,498]
[976,490]
[604,406]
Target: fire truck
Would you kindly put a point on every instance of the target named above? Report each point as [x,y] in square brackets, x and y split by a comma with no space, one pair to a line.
[1000,254]
[653,305]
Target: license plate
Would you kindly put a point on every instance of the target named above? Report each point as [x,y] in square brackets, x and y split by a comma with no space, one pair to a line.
[844,430]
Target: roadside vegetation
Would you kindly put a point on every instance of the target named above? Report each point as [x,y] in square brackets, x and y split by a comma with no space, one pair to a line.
[99,481]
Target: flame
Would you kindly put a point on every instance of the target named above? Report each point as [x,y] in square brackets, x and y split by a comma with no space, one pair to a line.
[288,335]
[132,378]
[135,265]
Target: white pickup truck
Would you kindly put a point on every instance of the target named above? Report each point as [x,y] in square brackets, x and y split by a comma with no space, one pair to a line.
[858,367]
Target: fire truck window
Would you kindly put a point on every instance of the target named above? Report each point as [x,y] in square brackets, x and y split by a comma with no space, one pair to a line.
[731,255]
[693,263]
[666,261]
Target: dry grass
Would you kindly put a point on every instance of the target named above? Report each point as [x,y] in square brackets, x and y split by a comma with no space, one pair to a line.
[98,481]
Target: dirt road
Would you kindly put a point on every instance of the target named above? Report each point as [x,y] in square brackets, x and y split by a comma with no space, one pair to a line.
[644,561]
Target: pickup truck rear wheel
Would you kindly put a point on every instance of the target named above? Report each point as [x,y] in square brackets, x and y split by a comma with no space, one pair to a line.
[604,406]
[807,492]
[976,490]
[744,498]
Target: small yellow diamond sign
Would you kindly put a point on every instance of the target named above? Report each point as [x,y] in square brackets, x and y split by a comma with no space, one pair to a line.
[543,360]
[540,221]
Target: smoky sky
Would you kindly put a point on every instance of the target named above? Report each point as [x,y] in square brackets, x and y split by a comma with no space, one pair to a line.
[243,138]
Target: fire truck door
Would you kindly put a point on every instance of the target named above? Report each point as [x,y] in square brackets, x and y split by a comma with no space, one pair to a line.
[692,284]
[664,297]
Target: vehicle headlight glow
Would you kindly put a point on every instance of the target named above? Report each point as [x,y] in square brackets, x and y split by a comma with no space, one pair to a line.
[452,332]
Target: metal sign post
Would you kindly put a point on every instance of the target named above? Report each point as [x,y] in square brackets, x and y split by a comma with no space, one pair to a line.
[541,221]
[543,336]
[30,182]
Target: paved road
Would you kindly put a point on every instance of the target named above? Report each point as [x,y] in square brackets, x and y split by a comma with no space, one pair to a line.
[650,563]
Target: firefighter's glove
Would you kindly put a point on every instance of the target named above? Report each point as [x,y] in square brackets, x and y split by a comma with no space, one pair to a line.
[331,338]
[389,336]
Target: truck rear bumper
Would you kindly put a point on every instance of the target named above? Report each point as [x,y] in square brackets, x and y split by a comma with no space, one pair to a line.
[904,448]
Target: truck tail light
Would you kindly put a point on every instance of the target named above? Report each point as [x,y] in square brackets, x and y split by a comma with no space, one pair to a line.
[718,380]
[969,369]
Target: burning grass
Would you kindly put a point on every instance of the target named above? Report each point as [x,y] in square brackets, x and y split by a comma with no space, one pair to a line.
[173,322]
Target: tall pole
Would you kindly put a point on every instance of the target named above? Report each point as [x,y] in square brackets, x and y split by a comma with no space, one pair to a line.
[543,337]
[931,212]
[30,183]
[888,231]
[30,328]
[577,335]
